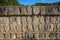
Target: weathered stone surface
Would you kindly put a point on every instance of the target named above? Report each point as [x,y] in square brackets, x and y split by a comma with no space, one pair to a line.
[46,19]
[52,20]
[29,23]
[6,23]
[29,10]
[41,27]
[35,23]
[30,26]
[42,35]
[58,20]
[58,27]
[49,10]
[24,10]
[1,36]
[37,36]
[19,35]
[51,26]
[3,10]
[12,24]
[58,35]
[36,9]
[13,36]
[52,35]
[41,19]
[43,10]
[7,35]
[18,22]
[24,24]
[13,11]
[1,24]
[31,35]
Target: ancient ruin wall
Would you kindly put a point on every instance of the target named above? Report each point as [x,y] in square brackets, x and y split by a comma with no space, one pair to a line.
[30,23]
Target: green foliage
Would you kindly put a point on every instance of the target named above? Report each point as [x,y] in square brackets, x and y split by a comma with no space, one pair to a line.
[47,4]
[7,3]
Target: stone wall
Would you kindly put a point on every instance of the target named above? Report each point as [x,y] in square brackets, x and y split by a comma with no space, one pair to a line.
[30,23]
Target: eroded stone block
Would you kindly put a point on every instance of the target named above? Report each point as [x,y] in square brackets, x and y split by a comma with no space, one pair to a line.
[29,23]
[35,23]
[19,36]
[58,35]
[3,11]
[24,24]
[6,24]
[46,19]
[1,36]
[7,35]
[41,19]
[43,12]
[13,11]
[29,10]
[18,22]
[13,24]
[36,9]
[23,10]
[13,36]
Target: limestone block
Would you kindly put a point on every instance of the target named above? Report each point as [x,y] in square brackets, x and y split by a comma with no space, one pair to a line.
[23,35]
[2,28]
[58,35]
[24,24]
[52,35]
[52,20]
[13,11]
[58,10]
[58,20]
[3,11]
[46,27]
[43,12]
[29,10]
[1,36]
[18,22]
[46,19]
[49,10]
[55,10]
[13,36]
[29,23]
[31,35]
[55,28]
[1,20]
[12,24]
[2,24]
[42,35]
[41,27]
[23,10]
[50,27]
[35,23]
[6,23]
[19,36]
[36,9]
[7,35]
[36,35]
[41,19]
[58,28]
[47,35]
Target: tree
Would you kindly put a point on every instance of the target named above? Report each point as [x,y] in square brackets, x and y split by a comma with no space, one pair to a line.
[9,3]
[47,4]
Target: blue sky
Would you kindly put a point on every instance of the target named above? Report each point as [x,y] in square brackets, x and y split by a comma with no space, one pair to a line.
[30,2]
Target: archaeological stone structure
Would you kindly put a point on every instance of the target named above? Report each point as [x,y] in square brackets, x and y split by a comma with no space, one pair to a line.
[29,22]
